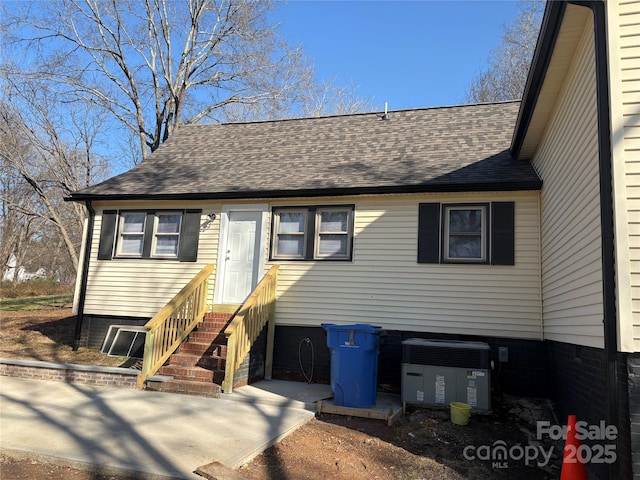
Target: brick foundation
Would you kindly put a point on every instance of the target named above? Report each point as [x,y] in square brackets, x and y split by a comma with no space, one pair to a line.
[578,386]
[252,367]
[633,409]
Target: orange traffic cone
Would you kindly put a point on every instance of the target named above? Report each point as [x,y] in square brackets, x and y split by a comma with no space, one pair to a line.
[572,466]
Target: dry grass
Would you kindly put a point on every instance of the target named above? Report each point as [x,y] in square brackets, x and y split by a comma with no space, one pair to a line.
[34,288]
[47,335]
[39,294]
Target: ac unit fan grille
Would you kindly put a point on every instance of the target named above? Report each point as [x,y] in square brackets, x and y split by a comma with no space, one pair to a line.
[446,357]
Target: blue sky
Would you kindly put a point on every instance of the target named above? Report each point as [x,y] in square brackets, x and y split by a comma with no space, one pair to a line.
[410,54]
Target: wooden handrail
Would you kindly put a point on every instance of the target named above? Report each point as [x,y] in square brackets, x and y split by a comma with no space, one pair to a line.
[173,323]
[256,312]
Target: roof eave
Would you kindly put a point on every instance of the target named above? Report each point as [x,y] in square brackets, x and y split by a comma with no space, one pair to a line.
[549,29]
[328,192]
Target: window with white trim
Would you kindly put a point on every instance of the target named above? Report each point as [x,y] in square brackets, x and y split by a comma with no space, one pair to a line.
[312,233]
[333,236]
[132,227]
[166,235]
[465,237]
[291,234]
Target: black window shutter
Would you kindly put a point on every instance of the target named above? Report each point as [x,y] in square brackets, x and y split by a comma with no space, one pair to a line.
[502,233]
[429,233]
[189,235]
[107,234]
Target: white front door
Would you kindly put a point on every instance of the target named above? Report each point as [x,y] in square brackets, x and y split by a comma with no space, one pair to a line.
[242,255]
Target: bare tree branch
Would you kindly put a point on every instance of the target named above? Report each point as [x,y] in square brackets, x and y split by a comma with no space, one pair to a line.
[508,65]
[151,63]
[47,155]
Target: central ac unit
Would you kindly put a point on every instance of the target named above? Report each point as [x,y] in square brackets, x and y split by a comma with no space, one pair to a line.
[437,372]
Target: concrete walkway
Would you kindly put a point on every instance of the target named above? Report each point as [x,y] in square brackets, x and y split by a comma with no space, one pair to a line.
[157,433]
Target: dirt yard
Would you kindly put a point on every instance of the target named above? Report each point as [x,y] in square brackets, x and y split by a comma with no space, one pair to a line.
[424,444]
[46,335]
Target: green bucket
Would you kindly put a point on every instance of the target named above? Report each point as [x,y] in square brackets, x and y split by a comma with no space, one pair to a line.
[460,413]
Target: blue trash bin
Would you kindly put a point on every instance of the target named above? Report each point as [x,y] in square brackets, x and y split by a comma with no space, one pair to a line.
[354,363]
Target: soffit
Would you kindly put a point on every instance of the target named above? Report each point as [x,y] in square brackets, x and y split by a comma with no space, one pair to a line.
[571,30]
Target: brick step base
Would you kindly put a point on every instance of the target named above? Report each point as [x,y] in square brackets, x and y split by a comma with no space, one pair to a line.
[201,389]
[211,327]
[218,316]
[194,374]
[209,362]
[203,349]
[200,336]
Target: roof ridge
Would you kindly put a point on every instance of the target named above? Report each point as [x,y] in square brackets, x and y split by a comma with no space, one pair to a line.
[344,115]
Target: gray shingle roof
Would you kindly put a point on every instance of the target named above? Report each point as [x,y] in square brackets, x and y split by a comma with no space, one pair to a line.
[419,150]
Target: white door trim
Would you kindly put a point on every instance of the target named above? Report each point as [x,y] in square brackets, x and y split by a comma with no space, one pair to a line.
[222,243]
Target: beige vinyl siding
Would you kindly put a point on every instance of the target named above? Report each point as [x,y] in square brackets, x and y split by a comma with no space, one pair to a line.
[630,75]
[624,76]
[567,160]
[141,287]
[385,286]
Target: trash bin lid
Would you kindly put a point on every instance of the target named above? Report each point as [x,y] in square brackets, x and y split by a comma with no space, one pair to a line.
[358,327]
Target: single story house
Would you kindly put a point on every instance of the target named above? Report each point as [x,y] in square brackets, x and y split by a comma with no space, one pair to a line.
[514,223]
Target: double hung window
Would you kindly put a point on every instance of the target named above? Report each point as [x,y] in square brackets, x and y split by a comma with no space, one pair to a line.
[312,233]
[291,233]
[132,227]
[166,234]
[465,233]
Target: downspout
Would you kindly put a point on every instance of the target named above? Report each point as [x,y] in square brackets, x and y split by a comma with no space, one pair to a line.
[85,275]
[540,285]
[606,218]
